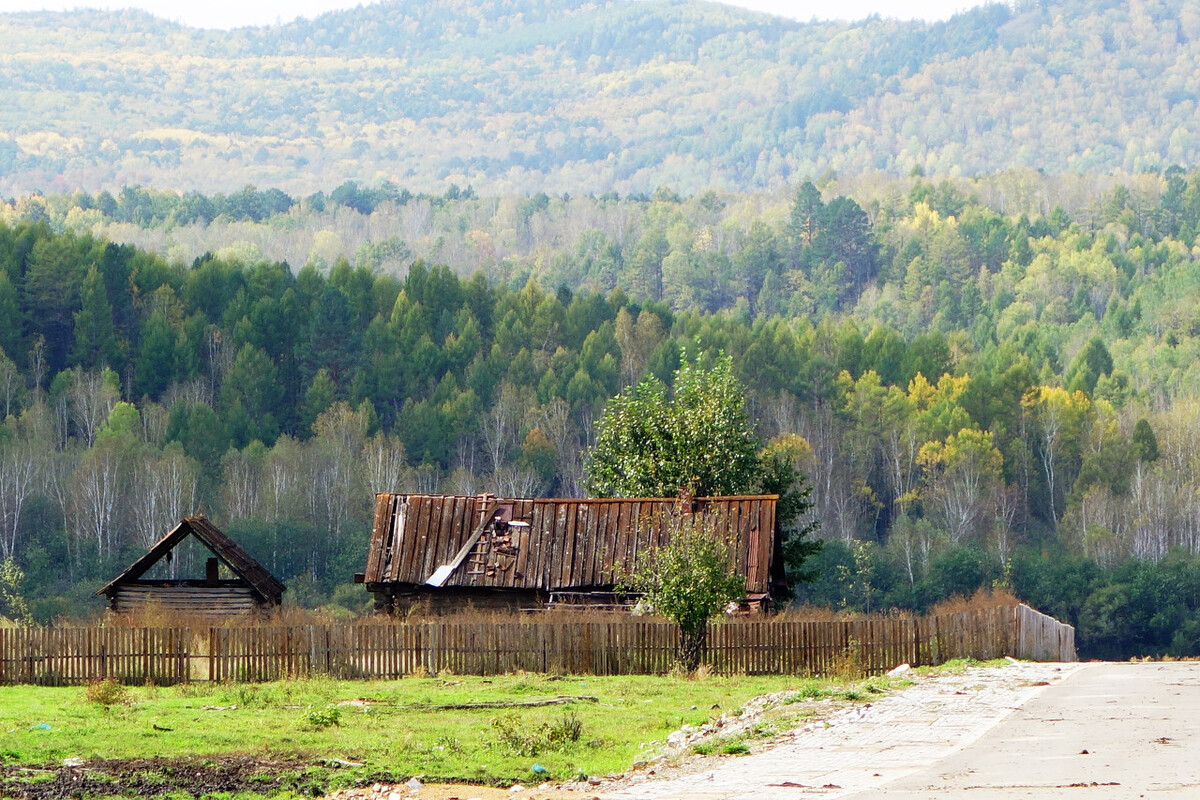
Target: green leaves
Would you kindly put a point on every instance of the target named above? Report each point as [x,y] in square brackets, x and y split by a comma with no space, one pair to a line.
[690,579]
[698,438]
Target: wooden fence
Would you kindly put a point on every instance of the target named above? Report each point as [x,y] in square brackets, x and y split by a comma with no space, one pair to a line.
[611,647]
[58,656]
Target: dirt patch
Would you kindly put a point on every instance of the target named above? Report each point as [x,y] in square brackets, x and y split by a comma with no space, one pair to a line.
[200,776]
[150,777]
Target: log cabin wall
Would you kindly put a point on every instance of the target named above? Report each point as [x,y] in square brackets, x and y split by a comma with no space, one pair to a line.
[230,599]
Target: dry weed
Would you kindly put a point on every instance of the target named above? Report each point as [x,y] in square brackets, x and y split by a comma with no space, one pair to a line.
[982,599]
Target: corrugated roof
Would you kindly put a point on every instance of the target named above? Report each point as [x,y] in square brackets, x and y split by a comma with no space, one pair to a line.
[264,584]
[548,544]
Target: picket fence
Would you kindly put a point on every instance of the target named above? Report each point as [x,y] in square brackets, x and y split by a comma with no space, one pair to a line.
[619,646]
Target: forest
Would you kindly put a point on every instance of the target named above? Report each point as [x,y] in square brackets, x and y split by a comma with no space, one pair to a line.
[978,397]
[522,96]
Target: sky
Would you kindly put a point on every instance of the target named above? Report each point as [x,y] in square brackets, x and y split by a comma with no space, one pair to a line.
[237,13]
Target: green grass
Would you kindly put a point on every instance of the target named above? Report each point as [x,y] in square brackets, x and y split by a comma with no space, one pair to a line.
[394,734]
[333,733]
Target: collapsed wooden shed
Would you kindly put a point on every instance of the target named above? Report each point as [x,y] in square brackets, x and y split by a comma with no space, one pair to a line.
[248,588]
[447,552]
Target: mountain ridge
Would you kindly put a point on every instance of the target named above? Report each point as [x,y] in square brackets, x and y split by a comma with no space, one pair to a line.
[575,96]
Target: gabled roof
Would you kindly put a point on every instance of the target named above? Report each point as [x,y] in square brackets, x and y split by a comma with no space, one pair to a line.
[548,544]
[264,584]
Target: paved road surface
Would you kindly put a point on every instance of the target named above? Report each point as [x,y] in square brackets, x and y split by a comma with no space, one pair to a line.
[1009,732]
[1111,731]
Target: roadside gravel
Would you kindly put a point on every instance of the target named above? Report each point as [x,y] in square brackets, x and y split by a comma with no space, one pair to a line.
[861,747]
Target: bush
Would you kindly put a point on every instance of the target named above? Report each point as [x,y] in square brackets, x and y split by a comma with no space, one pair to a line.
[106,693]
[515,736]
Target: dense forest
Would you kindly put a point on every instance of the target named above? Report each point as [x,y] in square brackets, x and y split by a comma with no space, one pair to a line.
[978,397]
[522,96]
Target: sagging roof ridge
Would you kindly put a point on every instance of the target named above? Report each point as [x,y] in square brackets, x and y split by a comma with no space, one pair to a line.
[266,585]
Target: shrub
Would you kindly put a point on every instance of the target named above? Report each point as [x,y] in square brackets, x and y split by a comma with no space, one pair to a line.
[106,693]
[515,736]
[324,718]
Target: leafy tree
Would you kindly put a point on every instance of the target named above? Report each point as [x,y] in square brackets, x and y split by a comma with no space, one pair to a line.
[12,600]
[319,396]
[696,438]
[689,580]
[805,220]
[962,473]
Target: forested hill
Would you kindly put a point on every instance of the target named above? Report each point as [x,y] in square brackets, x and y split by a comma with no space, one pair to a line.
[978,397]
[575,96]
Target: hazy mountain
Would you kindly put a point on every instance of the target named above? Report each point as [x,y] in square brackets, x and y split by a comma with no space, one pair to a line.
[574,96]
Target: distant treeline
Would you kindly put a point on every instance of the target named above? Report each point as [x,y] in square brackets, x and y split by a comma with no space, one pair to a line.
[587,96]
[976,396]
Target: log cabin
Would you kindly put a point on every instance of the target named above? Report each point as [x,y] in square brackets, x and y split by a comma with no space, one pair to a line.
[244,588]
[443,553]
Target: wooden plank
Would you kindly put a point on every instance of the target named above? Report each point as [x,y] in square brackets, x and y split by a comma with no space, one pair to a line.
[489,512]
[447,547]
[605,553]
[564,553]
[417,535]
[406,537]
[586,524]
[557,554]
[402,520]
[539,545]
[550,552]
[525,544]
[618,517]
[440,514]
[577,550]
[392,541]
[380,530]
[426,559]
[621,536]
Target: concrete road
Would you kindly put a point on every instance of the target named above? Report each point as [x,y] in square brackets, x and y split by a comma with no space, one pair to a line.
[1109,731]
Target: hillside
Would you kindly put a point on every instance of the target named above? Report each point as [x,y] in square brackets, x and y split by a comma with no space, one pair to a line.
[575,96]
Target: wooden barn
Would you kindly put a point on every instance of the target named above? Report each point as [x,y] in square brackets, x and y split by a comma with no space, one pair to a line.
[246,587]
[447,552]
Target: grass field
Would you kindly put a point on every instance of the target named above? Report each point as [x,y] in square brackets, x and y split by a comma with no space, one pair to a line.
[308,737]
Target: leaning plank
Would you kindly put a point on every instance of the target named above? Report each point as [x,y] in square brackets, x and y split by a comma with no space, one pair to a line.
[444,572]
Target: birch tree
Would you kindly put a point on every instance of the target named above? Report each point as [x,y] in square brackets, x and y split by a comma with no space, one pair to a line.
[963,475]
[18,477]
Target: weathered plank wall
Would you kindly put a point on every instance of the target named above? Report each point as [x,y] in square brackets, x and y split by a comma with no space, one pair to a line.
[609,647]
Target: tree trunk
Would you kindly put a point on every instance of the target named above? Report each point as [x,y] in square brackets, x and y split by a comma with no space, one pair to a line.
[692,647]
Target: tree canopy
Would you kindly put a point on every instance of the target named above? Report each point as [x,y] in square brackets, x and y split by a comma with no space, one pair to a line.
[695,437]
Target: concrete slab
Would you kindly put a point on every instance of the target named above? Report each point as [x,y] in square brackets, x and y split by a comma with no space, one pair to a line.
[865,748]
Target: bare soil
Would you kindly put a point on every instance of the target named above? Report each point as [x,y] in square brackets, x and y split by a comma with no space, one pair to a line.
[199,776]
[150,777]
